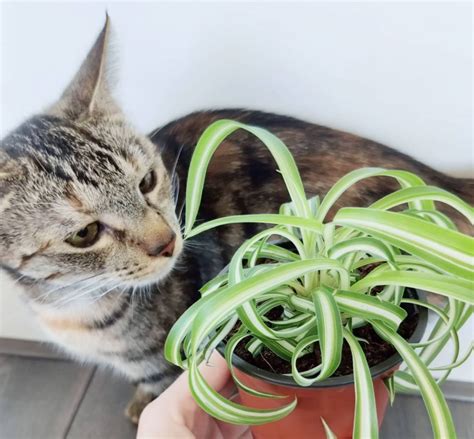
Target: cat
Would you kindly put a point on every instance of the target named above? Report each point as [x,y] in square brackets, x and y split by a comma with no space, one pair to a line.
[90,215]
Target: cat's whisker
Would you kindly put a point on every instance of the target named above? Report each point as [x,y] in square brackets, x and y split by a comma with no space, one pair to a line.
[181,210]
[153,133]
[122,292]
[94,278]
[43,297]
[106,292]
[132,300]
[175,165]
[176,187]
[74,297]
[195,244]
[78,281]
[180,267]
[175,181]
[18,279]
[159,289]
[140,294]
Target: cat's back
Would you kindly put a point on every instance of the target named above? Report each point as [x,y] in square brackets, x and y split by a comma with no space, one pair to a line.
[323,155]
[186,130]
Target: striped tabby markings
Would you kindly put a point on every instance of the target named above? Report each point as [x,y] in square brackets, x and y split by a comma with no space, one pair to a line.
[26,258]
[73,325]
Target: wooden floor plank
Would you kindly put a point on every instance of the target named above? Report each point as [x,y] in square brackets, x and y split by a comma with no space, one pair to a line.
[101,413]
[45,398]
[30,348]
[39,397]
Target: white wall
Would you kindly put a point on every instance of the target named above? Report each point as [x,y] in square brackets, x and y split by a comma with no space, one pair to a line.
[398,73]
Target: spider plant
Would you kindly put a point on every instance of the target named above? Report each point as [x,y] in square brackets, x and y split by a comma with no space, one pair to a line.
[318,285]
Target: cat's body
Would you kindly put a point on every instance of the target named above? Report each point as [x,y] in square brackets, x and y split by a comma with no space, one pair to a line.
[54,182]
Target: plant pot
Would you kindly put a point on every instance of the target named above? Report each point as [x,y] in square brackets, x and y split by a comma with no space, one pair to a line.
[332,399]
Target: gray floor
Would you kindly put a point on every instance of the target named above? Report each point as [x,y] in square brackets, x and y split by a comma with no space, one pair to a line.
[52,398]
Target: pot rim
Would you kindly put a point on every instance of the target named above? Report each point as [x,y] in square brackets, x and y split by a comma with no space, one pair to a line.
[343,380]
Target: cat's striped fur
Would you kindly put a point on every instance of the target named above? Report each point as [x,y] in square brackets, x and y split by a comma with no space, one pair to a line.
[80,162]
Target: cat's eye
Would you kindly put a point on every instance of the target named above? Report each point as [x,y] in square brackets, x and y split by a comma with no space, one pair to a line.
[86,236]
[148,182]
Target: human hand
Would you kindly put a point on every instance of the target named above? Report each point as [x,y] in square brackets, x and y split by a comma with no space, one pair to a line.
[175,414]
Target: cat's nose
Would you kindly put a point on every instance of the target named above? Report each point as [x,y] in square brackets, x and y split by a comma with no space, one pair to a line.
[160,248]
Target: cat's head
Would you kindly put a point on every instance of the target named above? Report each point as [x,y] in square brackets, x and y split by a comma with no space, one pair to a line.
[86,200]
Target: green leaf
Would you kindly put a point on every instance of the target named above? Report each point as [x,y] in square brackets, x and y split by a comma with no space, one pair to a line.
[207,144]
[227,300]
[327,430]
[449,250]
[301,347]
[404,178]
[434,216]
[294,221]
[438,410]
[329,324]
[228,354]
[401,261]
[411,194]
[270,251]
[247,311]
[450,321]
[459,362]
[178,333]
[370,308]
[365,413]
[429,353]
[404,383]
[219,336]
[390,385]
[221,408]
[455,288]
[370,246]
[283,348]
[436,340]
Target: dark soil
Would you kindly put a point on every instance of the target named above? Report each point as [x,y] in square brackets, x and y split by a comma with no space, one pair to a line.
[364,271]
[376,350]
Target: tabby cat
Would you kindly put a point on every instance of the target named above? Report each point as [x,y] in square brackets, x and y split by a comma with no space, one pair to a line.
[90,215]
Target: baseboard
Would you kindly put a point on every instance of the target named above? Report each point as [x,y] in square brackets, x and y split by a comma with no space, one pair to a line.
[453,390]
[30,348]
[459,391]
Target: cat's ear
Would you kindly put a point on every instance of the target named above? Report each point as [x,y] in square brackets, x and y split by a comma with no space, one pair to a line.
[89,92]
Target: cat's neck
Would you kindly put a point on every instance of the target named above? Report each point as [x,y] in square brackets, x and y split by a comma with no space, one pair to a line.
[65,303]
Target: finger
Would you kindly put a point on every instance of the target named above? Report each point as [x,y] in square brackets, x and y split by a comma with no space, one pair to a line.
[215,372]
[229,391]
[231,431]
[175,409]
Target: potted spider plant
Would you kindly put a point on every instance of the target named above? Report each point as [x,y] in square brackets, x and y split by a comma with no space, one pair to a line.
[314,316]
